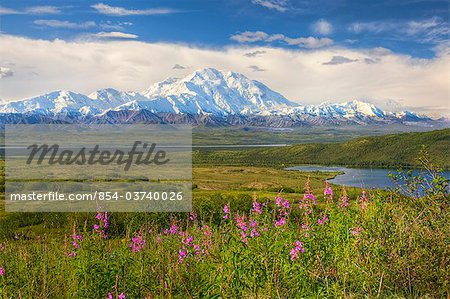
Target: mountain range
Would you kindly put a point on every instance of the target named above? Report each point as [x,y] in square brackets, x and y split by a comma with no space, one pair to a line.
[204,97]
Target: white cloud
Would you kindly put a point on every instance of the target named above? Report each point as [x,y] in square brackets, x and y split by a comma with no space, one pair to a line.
[250,36]
[260,36]
[84,66]
[375,27]
[309,42]
[32,10]
[8,11]
[65,24]
[5,72]
[43,10]
[279,5]
[322,27]
[121,11]
[108,25]
[431,30]
[112,35]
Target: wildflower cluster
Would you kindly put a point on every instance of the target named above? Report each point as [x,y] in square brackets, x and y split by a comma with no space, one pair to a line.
[363,200]
[356,231]
[305,203]
[226,210]
[284,208]
[328,192]
[322,220]
[120,296]
[344,201]
[137,243]
[103,224]
[75,239]
[296,250]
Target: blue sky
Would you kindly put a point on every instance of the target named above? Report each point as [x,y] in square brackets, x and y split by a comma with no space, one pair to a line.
[395,54]
[413,27]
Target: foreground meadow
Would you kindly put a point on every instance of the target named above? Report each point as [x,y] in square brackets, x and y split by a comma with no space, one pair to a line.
[323,245]
[255,232]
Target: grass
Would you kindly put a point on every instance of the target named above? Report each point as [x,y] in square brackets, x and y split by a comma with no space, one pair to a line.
[393,246]
[397,150]
[254,135]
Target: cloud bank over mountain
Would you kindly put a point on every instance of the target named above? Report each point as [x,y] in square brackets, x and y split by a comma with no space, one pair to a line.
[304,76]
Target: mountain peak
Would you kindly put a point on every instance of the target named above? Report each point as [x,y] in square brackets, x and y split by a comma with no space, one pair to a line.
[210,91]
[206,91]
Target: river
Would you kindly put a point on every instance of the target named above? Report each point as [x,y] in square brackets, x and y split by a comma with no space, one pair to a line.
[367,178]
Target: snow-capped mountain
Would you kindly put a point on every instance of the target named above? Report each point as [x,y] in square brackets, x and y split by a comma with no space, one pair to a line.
[205,95]
[215,92]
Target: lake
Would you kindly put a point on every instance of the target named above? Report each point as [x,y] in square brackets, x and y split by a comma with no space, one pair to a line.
[367,178]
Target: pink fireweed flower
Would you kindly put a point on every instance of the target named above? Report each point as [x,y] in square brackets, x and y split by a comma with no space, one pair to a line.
[323,220]
[158,238]
[280,222]
[344,201]
[105,220]
[256,207]
[110,296]
[310,197]
[187,241]
[240,222]
[2,271]
[226,210]
[244,238]
[278,200]
[356,231]
[192,216]
[173,229]
[137,243]
[182,254]
[305,203]
[122,296]
[75,239]
[296,250]
[254,233]
[306,230]
[286,204]
[363,200]
[327,192]
[207,231]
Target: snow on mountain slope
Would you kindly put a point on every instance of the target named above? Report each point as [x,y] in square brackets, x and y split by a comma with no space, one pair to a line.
[56,102]
[221,93]
[350,110]
[203,92]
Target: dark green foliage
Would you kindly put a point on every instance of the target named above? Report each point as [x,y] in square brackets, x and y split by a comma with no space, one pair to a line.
[380,151]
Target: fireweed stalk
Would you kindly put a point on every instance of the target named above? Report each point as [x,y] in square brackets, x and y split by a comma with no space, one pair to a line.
[137,243]
[328,193]
[102,225]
